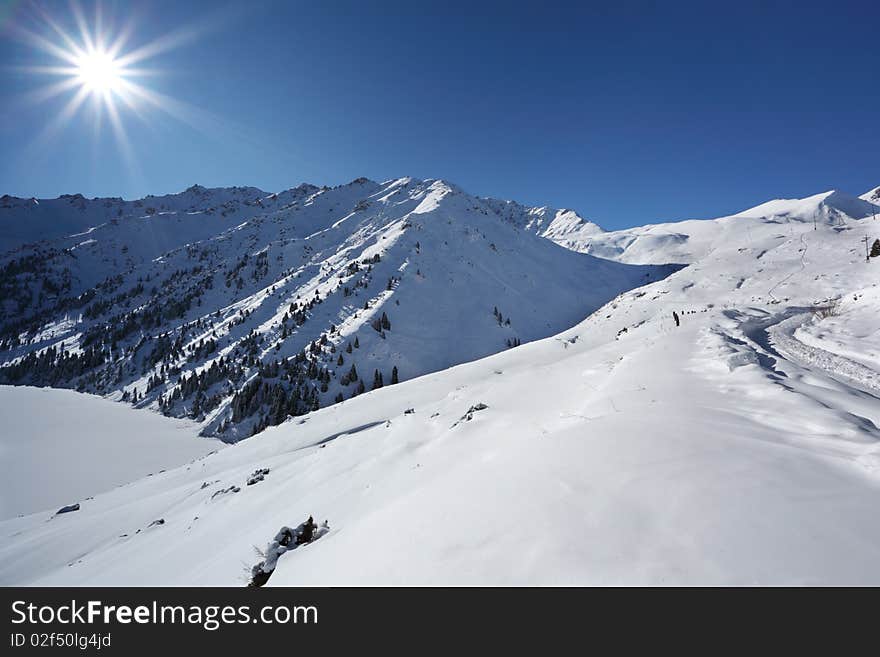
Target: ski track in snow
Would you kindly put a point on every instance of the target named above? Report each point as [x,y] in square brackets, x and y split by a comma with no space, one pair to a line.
[836,366]
[839,387]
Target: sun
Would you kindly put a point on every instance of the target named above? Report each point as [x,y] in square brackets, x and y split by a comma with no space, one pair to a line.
[100,72]
[97,69]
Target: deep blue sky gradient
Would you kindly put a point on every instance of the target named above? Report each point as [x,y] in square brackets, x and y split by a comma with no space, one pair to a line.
[627,112]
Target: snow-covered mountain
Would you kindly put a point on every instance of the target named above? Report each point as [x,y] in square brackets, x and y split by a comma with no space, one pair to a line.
[718,426]
[32,220]
[688,241]
[565,227]
[238,308]
[680,241]
[872,196]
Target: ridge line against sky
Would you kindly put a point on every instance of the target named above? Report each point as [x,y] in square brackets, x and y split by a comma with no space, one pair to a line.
[627,115]
[268,192]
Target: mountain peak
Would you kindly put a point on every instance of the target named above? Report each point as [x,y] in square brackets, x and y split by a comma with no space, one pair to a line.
[825,206]
[872,196]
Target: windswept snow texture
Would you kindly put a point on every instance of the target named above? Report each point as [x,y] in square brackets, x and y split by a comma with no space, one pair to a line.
[58,447]
[238,309]
[741,447]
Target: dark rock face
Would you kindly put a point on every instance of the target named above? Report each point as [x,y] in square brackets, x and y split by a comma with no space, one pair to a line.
[67,509]
[285,540]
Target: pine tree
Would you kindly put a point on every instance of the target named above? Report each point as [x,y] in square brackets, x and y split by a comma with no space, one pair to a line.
[357,344]
[394,375]
[348,347]
[875,249]
[339,361]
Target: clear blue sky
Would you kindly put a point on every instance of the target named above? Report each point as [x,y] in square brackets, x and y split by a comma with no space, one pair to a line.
[627,112]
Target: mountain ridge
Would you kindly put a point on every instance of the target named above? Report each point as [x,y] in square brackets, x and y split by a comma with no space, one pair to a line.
[241,316]
[690,239]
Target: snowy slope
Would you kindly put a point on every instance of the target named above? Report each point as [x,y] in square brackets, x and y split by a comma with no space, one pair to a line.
[58,447]
[731,449]
[872,196]
[852,331]
[284,303]
[565,227]
[688,241]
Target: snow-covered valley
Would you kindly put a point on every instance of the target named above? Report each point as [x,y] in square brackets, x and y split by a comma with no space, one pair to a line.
[59,445]
[712,424]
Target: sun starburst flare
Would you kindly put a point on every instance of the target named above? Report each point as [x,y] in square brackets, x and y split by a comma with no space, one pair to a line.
[94,62]
[99,72]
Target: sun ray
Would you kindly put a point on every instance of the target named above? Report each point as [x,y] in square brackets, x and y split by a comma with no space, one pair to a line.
[179,110]
[120,136]
[49,91]
[47,46]
[141,72]
[84,32]
[131,106]
[60,120]
[99,28]
[180,37]
[72,45]
[115,48]
[46,70]
[158,46]
[98,115]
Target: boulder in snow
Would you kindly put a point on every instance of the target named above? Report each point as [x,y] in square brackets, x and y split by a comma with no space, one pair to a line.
[67,509]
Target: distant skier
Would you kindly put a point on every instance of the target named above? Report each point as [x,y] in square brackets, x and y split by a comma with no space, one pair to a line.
[307,533]
[675,317]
